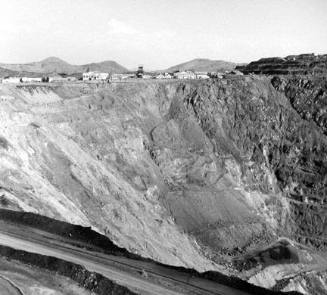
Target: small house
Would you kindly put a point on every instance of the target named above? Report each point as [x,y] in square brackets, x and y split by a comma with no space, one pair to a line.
[164,76]
[31,80]
[146,76]
[98,76]
[119,77]
[9,80]
[202,75]
[185,75]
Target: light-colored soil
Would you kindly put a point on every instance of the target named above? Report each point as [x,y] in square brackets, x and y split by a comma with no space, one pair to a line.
[147,164]
[20,279]
[82,158]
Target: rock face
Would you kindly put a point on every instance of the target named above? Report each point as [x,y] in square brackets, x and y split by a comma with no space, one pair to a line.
[303,171]
[187,173]
[79,153]
[292,64]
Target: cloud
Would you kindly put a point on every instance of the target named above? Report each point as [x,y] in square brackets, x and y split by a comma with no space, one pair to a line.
[117,27]
[122,32]
[130,43]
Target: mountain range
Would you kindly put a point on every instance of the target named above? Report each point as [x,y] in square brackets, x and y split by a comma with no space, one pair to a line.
[52,65]
[55,65]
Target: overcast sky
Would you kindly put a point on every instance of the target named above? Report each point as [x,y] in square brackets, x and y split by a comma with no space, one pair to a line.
[160,33]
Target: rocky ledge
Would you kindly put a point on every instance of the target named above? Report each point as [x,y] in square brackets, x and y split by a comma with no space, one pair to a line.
[292,64]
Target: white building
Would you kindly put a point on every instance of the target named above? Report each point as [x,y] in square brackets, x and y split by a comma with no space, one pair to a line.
[119,77]
[202,75]
[164,76]
[145,76]
[11,80]
[31,80]
[89,76]
[185,75]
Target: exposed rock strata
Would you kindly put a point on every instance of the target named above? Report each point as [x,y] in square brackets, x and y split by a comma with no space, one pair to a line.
[292,64]
[303,172]
[185,173]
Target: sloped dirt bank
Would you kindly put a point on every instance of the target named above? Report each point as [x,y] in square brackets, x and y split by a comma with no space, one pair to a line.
[89,239]
[17,278]
[98,244]
[86,279]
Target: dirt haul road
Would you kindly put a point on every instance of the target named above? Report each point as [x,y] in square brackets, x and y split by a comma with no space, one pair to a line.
[136,275]
[8,288]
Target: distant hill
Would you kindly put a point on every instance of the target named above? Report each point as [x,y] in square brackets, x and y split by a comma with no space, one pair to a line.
[56,65]
[48,65]
[204,65]
[6,72]
[105,66]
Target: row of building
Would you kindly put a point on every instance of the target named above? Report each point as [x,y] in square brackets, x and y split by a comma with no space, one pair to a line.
[107,77]
[21,80]
[8,80]
[97,76]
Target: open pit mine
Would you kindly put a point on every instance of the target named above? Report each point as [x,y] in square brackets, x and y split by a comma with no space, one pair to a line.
[211,186]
